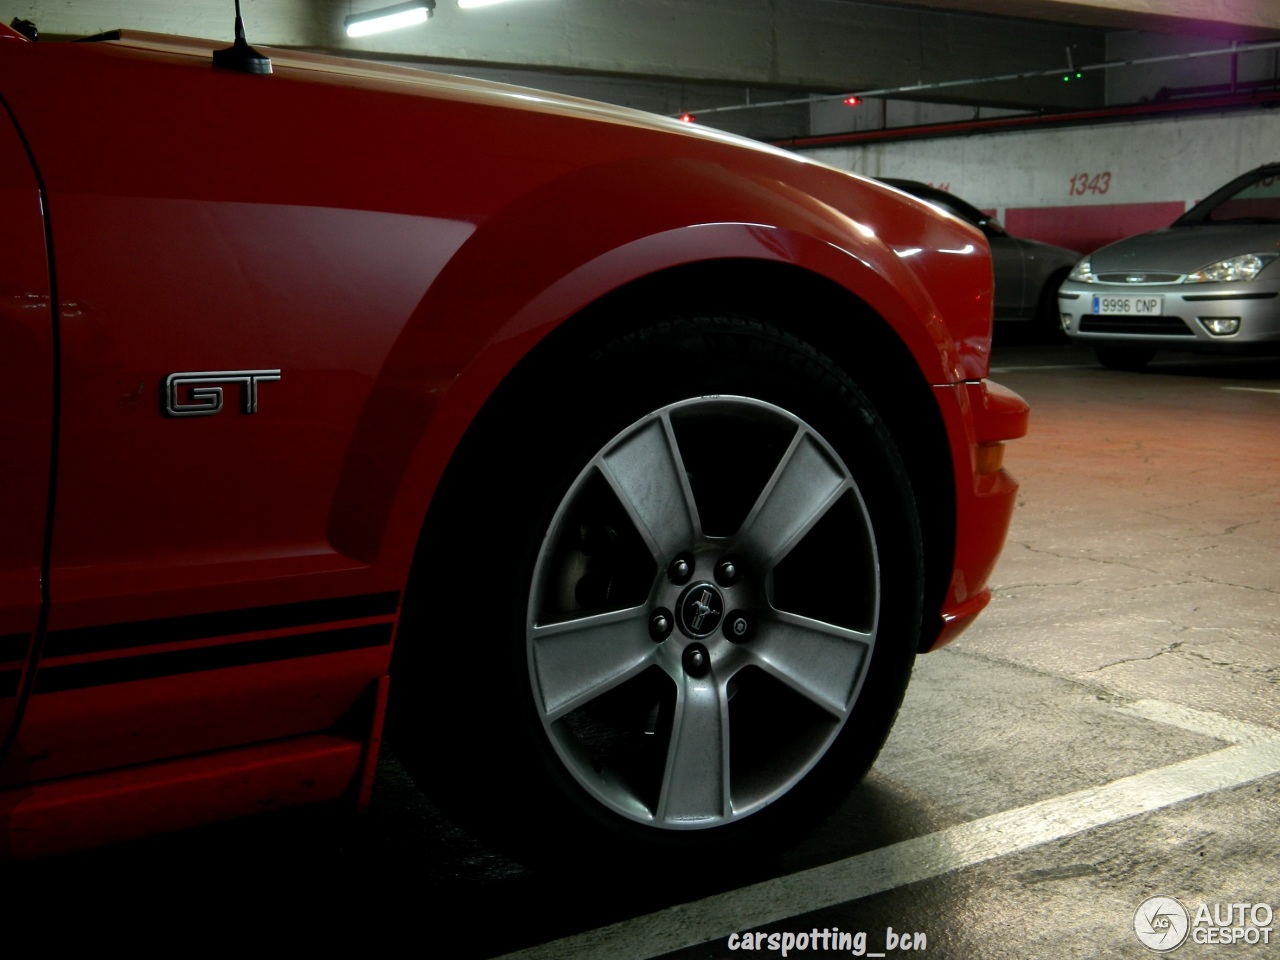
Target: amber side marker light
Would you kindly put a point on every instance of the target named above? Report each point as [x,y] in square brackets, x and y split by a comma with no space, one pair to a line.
[990,458]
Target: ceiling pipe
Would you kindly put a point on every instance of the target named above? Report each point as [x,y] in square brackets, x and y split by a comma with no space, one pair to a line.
[1234,50]
[1036,120]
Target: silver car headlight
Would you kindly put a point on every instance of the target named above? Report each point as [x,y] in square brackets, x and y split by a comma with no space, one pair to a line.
[1233,269]
[1082,272]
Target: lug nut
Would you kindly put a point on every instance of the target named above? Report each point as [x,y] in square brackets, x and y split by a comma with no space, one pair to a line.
[737,627]
[697,662]
[680,570]
[660,625]
[726,573]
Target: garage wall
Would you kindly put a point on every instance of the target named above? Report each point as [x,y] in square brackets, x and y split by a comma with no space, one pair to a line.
[1083,186]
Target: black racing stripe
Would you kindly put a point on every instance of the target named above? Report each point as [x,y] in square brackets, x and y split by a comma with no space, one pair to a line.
[225,623]
[13,647]
[9,680]
[150,666]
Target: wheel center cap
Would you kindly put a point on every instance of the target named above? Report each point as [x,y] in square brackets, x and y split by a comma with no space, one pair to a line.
[700,610]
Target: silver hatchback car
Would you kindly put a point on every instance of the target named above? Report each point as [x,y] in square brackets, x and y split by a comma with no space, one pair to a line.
[1208,282]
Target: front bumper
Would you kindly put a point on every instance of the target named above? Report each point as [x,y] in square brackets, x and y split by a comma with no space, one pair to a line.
[981,416]
[1184,321]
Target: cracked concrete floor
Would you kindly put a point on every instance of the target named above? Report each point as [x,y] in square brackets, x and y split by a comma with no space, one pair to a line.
[1143,555]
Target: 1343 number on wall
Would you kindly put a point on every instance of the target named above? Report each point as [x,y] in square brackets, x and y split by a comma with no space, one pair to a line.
[1085,183]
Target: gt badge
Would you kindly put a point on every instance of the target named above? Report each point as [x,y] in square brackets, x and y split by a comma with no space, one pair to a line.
[200,394]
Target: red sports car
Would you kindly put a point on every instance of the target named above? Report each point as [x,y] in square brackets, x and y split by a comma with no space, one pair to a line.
[622,466]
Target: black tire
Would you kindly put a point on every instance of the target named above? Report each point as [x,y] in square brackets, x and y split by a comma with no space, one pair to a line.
[753,699]
[1130,359]
[1048,319]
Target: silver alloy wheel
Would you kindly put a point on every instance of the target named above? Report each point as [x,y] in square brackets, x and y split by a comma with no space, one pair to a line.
[692,661]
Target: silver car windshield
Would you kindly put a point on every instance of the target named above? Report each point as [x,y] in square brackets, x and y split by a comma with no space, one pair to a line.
[1252,198]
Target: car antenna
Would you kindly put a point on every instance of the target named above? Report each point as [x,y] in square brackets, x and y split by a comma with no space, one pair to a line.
[240,56]
[26,28]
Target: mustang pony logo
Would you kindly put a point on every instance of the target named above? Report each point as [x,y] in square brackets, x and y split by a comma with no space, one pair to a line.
[204,391]
[701,608]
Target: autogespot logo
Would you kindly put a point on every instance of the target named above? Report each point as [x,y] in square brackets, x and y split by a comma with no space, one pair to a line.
[1161,924]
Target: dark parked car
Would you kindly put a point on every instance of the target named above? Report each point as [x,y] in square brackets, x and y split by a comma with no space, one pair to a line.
[1208,282]
[1027,272]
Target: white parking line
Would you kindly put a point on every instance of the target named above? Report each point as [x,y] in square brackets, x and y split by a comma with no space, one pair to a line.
[1255,754]
[1252,389]
[1198,721]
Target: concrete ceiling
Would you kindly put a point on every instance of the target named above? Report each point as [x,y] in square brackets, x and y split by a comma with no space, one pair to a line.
[671,55]
[1222,19]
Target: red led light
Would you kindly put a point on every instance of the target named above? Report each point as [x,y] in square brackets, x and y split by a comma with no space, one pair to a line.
[852,101]
[687,118]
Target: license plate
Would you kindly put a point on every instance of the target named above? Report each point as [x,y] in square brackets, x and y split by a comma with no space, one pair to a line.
[1128,306]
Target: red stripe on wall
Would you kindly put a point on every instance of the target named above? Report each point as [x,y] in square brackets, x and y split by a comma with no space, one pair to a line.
[1087,228]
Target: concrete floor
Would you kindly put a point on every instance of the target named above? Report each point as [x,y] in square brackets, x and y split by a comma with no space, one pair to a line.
[1108,731]
[1147,532]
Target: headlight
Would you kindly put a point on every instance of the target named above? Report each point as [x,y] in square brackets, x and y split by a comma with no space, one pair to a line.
[1234,269]
[1082,272]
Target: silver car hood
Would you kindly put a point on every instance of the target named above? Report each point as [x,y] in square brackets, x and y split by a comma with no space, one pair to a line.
[1183,249]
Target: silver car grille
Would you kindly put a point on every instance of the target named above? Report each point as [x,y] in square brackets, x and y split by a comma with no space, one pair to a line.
[1139,276]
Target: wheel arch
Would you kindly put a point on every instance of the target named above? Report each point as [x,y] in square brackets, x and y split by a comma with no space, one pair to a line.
[462,346]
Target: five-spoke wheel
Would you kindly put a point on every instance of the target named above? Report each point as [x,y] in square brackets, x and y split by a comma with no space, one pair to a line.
[689,671]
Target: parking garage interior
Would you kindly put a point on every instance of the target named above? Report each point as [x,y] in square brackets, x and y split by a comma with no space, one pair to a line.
[1108,731]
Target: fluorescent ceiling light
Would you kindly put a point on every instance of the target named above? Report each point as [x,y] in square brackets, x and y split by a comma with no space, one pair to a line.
[388,18]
